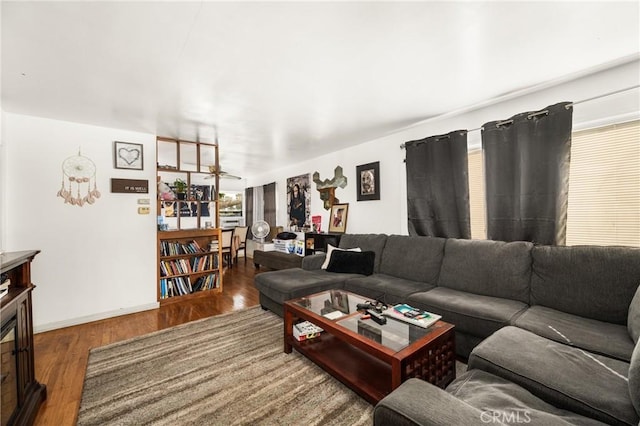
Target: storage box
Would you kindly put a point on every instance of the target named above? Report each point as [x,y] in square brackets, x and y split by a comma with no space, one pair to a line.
[289,246]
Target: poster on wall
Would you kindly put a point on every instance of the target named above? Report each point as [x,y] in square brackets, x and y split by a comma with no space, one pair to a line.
[298,201]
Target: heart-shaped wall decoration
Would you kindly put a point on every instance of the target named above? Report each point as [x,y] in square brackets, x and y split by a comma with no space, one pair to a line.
[129,155]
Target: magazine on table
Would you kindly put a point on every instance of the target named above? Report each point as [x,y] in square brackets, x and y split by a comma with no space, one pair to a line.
[411,315]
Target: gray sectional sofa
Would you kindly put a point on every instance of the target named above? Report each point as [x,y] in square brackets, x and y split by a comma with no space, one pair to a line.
[550,332]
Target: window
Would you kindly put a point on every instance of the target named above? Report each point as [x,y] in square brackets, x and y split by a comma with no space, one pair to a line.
[604,187]
[476,195]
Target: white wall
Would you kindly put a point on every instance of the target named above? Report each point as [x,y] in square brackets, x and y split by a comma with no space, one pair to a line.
[97,260]
[389,214]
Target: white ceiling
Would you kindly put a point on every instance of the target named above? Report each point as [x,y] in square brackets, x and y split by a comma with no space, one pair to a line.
[281,82]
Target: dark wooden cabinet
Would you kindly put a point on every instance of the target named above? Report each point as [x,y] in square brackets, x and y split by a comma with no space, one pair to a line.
[317,242]
[18,370]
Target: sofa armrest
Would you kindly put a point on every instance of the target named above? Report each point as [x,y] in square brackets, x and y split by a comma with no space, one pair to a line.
[313,262]
[416,402]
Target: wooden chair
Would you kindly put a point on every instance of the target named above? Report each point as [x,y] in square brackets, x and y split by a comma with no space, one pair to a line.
[241,232]
[226,245]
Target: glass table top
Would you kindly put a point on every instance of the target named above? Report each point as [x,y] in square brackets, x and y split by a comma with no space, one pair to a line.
[341,307]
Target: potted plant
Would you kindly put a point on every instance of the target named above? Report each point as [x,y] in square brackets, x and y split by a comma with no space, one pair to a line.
[181,188]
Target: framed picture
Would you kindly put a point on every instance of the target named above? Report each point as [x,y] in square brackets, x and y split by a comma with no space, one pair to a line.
[298,201]
[338,219]
[127,155]
[368,181]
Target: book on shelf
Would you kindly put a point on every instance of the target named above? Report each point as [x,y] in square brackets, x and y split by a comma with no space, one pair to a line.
[176,248]
[207,282]
[411,315]
[305,331]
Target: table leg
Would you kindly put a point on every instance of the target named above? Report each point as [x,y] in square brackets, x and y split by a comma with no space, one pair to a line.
[396,373]
[288,330]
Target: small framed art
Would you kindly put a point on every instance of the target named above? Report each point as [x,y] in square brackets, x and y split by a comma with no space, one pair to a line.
[338,219]
[127,155]
[368,181]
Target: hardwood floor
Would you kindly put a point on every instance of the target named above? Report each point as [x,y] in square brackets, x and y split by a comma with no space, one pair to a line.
[61,355]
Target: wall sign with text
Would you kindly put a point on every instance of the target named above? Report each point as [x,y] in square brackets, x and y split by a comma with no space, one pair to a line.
[130,186]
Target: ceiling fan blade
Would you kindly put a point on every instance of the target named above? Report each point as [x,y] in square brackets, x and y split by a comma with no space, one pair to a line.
[225,175]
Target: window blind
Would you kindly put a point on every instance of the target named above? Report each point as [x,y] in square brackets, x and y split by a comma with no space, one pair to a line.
[604,186]
[477,203]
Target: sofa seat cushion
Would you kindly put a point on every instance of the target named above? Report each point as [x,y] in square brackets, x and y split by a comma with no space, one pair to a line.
[566,377]
[471,313]
[503,401]
[594,336]
[388,289]
[287,284]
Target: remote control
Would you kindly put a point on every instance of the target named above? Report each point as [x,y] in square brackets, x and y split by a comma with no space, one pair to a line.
[361,306]
[377,317]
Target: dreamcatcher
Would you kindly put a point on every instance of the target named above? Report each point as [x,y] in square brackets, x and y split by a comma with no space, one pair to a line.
[79,170]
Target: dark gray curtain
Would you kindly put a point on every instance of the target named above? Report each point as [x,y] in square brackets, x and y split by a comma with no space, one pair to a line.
[270,204]
[248,204]
[526,162]
[438,186]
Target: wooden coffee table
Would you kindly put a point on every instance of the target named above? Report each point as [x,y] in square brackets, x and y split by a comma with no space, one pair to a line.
[371,359]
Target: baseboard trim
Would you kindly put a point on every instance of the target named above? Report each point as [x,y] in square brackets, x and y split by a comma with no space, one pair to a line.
[95,317]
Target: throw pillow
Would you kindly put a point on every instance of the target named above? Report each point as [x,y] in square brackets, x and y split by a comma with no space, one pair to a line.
[352,262]
[633,317]
[330,250]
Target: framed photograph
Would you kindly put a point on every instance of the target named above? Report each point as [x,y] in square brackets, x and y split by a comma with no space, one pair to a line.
[127,155]
[368,181]
[338,218]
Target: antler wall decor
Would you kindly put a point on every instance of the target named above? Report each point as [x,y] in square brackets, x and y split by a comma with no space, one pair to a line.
[328,187]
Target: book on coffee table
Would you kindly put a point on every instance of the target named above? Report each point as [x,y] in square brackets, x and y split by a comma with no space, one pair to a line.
[411,315]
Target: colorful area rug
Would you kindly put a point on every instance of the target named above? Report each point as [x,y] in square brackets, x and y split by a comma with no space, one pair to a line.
[229,369]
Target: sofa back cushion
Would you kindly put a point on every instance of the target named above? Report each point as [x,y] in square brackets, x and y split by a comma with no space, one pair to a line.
[366,242]
[595,282]
[490,268]
[413,258]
